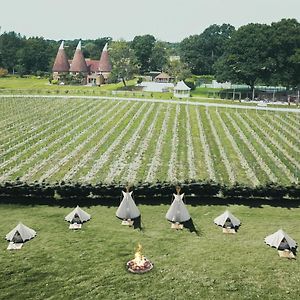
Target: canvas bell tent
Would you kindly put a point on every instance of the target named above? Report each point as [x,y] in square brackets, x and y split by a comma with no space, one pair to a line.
[228,221]
[19,235]
[127,209]
[178,212]
[76,217]
[282,242]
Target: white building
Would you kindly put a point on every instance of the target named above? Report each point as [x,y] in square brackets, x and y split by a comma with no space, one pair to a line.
[156,86]
[181,90]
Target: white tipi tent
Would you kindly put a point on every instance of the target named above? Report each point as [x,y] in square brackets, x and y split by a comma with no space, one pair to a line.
[19,235]
[76,217]
[127,209]
[280,240]
[227,219]
[178,212]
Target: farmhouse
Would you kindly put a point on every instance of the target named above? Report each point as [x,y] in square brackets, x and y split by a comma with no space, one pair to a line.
[93,72]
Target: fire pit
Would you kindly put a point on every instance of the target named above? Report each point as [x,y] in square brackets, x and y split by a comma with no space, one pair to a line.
[140,264]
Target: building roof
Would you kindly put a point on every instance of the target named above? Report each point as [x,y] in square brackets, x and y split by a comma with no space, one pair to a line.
[150,86]
[61,63]
[93,65]
[163,75]
[104,63]
[181,86]
[78,62]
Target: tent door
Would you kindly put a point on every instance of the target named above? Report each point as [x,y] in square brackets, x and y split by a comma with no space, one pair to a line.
[17,238]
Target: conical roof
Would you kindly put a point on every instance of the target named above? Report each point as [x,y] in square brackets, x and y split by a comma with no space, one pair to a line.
[24,232]
[82,215]
[127,208]
[104,63]
[178,211]
[61,63]
[181,86]
[220,220]
[78,63]
[275,239]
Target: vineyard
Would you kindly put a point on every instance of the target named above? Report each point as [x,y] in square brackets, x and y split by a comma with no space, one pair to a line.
[91,141]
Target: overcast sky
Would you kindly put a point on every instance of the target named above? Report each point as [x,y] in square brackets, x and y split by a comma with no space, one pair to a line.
[168,20]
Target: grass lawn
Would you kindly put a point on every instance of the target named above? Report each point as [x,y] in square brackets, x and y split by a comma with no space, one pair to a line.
[90,263]
[34,85]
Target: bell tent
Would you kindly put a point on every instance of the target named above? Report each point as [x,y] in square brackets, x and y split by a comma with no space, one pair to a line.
[228,221]
[127,209]
[285,245]
[76,217]
[178,212]
[19,235]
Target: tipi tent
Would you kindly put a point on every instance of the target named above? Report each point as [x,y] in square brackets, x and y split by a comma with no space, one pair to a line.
[127,209]
[19,235]
[77,217]
[178,212]
[280,240]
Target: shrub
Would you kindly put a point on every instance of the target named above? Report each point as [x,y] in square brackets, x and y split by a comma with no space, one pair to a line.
[190,84]
[54,81]
[3,72]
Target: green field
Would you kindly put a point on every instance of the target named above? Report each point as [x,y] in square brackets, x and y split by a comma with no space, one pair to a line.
[90,264]
[108,141]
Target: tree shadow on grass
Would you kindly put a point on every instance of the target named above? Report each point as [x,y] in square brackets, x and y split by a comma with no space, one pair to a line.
[150,200]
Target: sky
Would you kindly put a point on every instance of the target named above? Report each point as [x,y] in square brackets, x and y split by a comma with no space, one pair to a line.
[167,20]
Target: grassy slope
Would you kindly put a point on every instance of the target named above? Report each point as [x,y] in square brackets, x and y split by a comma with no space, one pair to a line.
[34,85]
[90,264]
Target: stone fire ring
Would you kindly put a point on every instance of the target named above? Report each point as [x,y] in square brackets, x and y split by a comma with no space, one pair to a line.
[139,270]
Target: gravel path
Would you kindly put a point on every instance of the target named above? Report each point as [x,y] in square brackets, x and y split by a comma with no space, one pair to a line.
[207,104]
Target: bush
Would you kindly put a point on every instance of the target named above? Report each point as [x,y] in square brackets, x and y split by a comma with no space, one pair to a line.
[54,81]
[3,72]
[190,84]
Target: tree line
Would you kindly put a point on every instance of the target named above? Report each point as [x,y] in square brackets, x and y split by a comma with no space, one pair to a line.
[252,54]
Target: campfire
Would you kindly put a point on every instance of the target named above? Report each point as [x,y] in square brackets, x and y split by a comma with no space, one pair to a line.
[140,264]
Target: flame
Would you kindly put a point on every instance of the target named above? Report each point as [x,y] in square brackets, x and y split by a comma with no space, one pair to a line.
[140,264]
[139,258]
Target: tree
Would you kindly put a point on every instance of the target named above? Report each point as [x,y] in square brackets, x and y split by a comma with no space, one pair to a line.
[124,62]
[159,56]
[200,52]
[143,46]
[10,43]
[285,52]
[35,55]
[246,59]
[92,48]
[178,70]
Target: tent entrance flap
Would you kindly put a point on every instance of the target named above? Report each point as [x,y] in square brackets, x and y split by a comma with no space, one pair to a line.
[17,238]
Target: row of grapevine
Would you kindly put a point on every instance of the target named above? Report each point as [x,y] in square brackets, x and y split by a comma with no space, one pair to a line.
[92,141]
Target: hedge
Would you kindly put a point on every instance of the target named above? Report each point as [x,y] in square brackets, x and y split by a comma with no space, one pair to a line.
[151,192]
